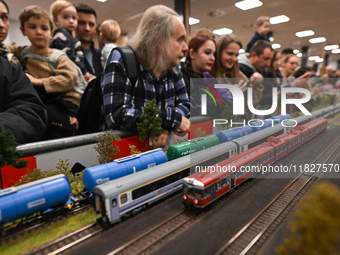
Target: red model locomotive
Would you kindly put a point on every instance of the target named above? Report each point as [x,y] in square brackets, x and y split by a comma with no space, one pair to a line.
[204,187]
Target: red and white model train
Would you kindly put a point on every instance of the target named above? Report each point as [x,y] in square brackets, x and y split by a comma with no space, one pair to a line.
[209,183]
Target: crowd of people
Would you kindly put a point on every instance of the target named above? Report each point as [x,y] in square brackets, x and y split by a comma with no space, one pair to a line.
[43,82]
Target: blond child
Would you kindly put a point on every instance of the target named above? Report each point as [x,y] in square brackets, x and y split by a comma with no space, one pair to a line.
[55,85]
[64,16]
[262,29]
[109,34]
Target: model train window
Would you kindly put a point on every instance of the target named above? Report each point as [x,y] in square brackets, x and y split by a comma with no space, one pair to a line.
[231,153]
[114,202]
[123,198]
[190,191]
[207,192]
[159,184]
[219,185]
[198,193]
[224,182]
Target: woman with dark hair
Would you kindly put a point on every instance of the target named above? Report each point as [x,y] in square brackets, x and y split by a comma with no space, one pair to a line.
[226,68]
[226,65]
[199,60]
[4,26]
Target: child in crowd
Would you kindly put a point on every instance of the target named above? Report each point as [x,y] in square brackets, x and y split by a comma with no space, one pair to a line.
[109,34]
[262,29]
[55,85]
[65,18]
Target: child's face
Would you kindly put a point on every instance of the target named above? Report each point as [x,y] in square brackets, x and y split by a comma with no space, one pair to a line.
[38,32]
[265,28]
[67,18]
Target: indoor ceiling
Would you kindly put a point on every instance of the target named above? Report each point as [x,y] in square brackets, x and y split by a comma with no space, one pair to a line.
[321,16]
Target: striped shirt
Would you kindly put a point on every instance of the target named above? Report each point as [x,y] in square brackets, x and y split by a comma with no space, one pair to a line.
[123,102]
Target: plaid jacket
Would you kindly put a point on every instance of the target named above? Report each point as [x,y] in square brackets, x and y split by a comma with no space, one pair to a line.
[123,102]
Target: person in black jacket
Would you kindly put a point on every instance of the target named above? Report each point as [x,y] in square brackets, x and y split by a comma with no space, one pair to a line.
[86,29]
[21,109]
[257,60]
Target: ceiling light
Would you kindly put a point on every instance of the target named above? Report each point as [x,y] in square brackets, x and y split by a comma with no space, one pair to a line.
[313,58]
[317,40]
[296,51]
[331,47]
[276,46]
[193,21]
[299,55]
[336,51]
[279,19]
[248,4]
[102,1]
[304,33]
[319,60]
[222,31]
[241,51]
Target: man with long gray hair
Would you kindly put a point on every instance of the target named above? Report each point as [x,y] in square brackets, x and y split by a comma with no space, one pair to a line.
[159,44]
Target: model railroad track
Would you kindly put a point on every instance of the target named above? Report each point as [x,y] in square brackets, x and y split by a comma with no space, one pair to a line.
[157,236]
[63,243]
[253,235]
[18,233]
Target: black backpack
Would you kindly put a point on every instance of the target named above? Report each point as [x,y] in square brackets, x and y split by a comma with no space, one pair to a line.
[89,115]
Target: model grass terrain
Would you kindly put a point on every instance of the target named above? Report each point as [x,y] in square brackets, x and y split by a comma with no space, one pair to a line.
[48,234]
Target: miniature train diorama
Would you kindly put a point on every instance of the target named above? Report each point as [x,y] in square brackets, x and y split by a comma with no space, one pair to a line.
[128,184]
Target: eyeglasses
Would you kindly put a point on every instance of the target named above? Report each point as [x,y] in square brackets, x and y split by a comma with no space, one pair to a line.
[293,63]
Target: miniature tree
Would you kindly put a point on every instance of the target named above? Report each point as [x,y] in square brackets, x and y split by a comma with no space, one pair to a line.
[332,100]
[176,140]
[62,167]
[150,127]
[318,100]
[106,149]
[8,154]
[133,149]
[315,226]
[228,115]
[199,132]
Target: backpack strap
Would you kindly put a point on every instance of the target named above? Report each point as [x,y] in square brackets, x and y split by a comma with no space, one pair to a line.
[52,60]
[130,61]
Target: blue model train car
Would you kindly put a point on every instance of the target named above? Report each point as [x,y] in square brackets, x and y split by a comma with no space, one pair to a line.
[279,119]
[234,133]
[33,197]
[100,174]
[231,134]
